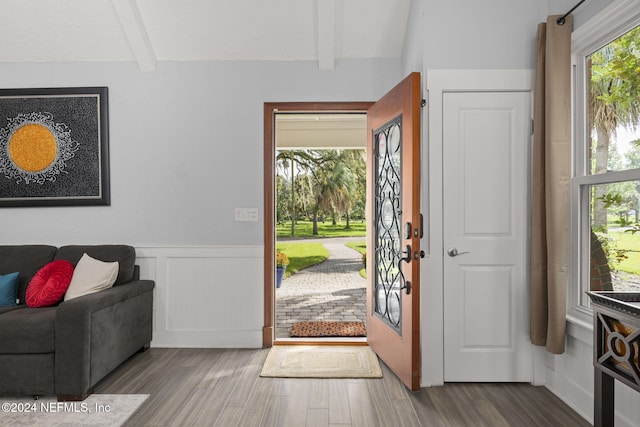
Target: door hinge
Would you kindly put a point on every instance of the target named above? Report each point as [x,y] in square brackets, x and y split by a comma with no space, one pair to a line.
[531,129]
[423,103]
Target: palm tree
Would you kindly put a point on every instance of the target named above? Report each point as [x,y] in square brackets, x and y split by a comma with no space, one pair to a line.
[336,183]
[351,169]
[614,101]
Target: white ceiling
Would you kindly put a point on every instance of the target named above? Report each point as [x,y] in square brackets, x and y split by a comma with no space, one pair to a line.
[147,31]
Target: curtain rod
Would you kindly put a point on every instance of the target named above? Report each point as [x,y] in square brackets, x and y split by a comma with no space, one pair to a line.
[561,20]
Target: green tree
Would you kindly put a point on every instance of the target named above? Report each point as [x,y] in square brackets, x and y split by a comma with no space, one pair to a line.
[633,156]
[283,198]
[347,176]
[323,181]
[614,101]
[333,182]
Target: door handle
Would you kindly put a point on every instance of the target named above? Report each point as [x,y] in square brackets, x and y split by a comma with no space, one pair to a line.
[406,285]
[453,252]
[407,256]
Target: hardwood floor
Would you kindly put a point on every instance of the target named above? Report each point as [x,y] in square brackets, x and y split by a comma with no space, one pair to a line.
[222,387]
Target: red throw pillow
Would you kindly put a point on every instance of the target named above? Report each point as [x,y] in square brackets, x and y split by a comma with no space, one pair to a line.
[49,284]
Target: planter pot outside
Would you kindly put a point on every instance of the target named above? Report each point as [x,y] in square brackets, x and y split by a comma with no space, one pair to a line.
[279,275]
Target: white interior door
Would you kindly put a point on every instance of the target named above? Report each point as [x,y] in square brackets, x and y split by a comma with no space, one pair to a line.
[485,150]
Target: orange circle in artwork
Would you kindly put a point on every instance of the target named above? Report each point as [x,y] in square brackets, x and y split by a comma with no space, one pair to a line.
[33,147]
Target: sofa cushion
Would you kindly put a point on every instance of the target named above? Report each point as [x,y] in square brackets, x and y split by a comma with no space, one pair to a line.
[28,330]
[91,275]
[27,259]
[125,255]
[9,289]
[8,309]
[49,284]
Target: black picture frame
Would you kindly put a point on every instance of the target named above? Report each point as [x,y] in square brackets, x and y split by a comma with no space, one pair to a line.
[54,147]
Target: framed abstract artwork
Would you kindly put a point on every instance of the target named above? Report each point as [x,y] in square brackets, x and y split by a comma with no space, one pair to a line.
[54,147]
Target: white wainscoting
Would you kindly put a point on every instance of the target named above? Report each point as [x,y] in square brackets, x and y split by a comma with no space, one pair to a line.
[570,377]
[205,296]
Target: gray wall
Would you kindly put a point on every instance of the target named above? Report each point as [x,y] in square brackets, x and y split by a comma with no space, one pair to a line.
[186,145]
[490,34]
[495,34]
[581,15]
[186,140]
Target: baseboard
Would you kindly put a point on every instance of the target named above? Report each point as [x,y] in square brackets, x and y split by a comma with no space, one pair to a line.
[208,339]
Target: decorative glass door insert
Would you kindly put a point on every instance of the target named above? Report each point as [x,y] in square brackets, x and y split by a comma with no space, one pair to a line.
[389,280]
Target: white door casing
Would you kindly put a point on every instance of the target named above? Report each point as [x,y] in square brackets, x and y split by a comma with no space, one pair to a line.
[435,311]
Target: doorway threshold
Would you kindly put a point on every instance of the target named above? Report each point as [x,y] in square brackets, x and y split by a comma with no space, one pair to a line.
[322,341]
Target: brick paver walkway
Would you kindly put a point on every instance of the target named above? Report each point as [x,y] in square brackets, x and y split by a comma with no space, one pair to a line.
[331,290]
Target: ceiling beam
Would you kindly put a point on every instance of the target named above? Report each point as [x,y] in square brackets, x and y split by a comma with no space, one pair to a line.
[136,32]
[326,15]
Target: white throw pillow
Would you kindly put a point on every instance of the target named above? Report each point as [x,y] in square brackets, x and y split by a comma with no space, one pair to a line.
[91,275]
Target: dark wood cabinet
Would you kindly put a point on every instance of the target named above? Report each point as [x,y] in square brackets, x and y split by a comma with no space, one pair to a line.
[616,347]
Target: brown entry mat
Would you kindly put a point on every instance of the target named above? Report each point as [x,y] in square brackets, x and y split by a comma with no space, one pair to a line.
[328,328]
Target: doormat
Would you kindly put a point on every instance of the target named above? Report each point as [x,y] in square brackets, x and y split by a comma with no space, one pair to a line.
[95,410]
[321,361]
[328,328]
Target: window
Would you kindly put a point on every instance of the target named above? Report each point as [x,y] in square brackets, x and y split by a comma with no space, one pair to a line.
[606,180]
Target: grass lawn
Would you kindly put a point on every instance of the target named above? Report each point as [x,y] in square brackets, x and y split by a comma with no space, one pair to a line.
[360,246]
[302,255]
[304,229]
[630,242]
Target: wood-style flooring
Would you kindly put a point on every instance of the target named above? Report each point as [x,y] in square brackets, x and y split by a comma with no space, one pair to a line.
[222,387]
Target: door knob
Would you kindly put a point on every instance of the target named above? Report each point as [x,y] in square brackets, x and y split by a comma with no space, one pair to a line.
[454,252]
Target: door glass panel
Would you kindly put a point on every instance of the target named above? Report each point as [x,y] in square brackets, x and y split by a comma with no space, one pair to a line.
[388,280]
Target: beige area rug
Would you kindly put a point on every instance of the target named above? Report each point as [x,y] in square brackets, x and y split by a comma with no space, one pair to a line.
[96,410]
[322,361]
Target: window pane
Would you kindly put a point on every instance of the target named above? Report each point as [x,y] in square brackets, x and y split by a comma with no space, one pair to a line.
[613,77]
[615,237]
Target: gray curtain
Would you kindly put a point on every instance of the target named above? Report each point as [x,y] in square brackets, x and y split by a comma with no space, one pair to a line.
[550,185]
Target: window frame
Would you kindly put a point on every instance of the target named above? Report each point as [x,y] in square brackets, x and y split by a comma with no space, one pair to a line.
[614,21]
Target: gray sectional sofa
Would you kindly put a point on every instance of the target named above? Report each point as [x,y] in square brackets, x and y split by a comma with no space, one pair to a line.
[66,349]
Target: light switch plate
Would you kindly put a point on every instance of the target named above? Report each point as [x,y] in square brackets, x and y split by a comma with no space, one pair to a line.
[246,214]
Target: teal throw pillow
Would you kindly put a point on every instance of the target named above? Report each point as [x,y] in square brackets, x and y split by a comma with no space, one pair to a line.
[9,289]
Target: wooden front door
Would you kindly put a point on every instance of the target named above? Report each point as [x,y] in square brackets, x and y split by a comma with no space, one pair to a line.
[394,229]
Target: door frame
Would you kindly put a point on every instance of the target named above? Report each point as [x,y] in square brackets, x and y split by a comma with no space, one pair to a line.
[270,110]
[438,82]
